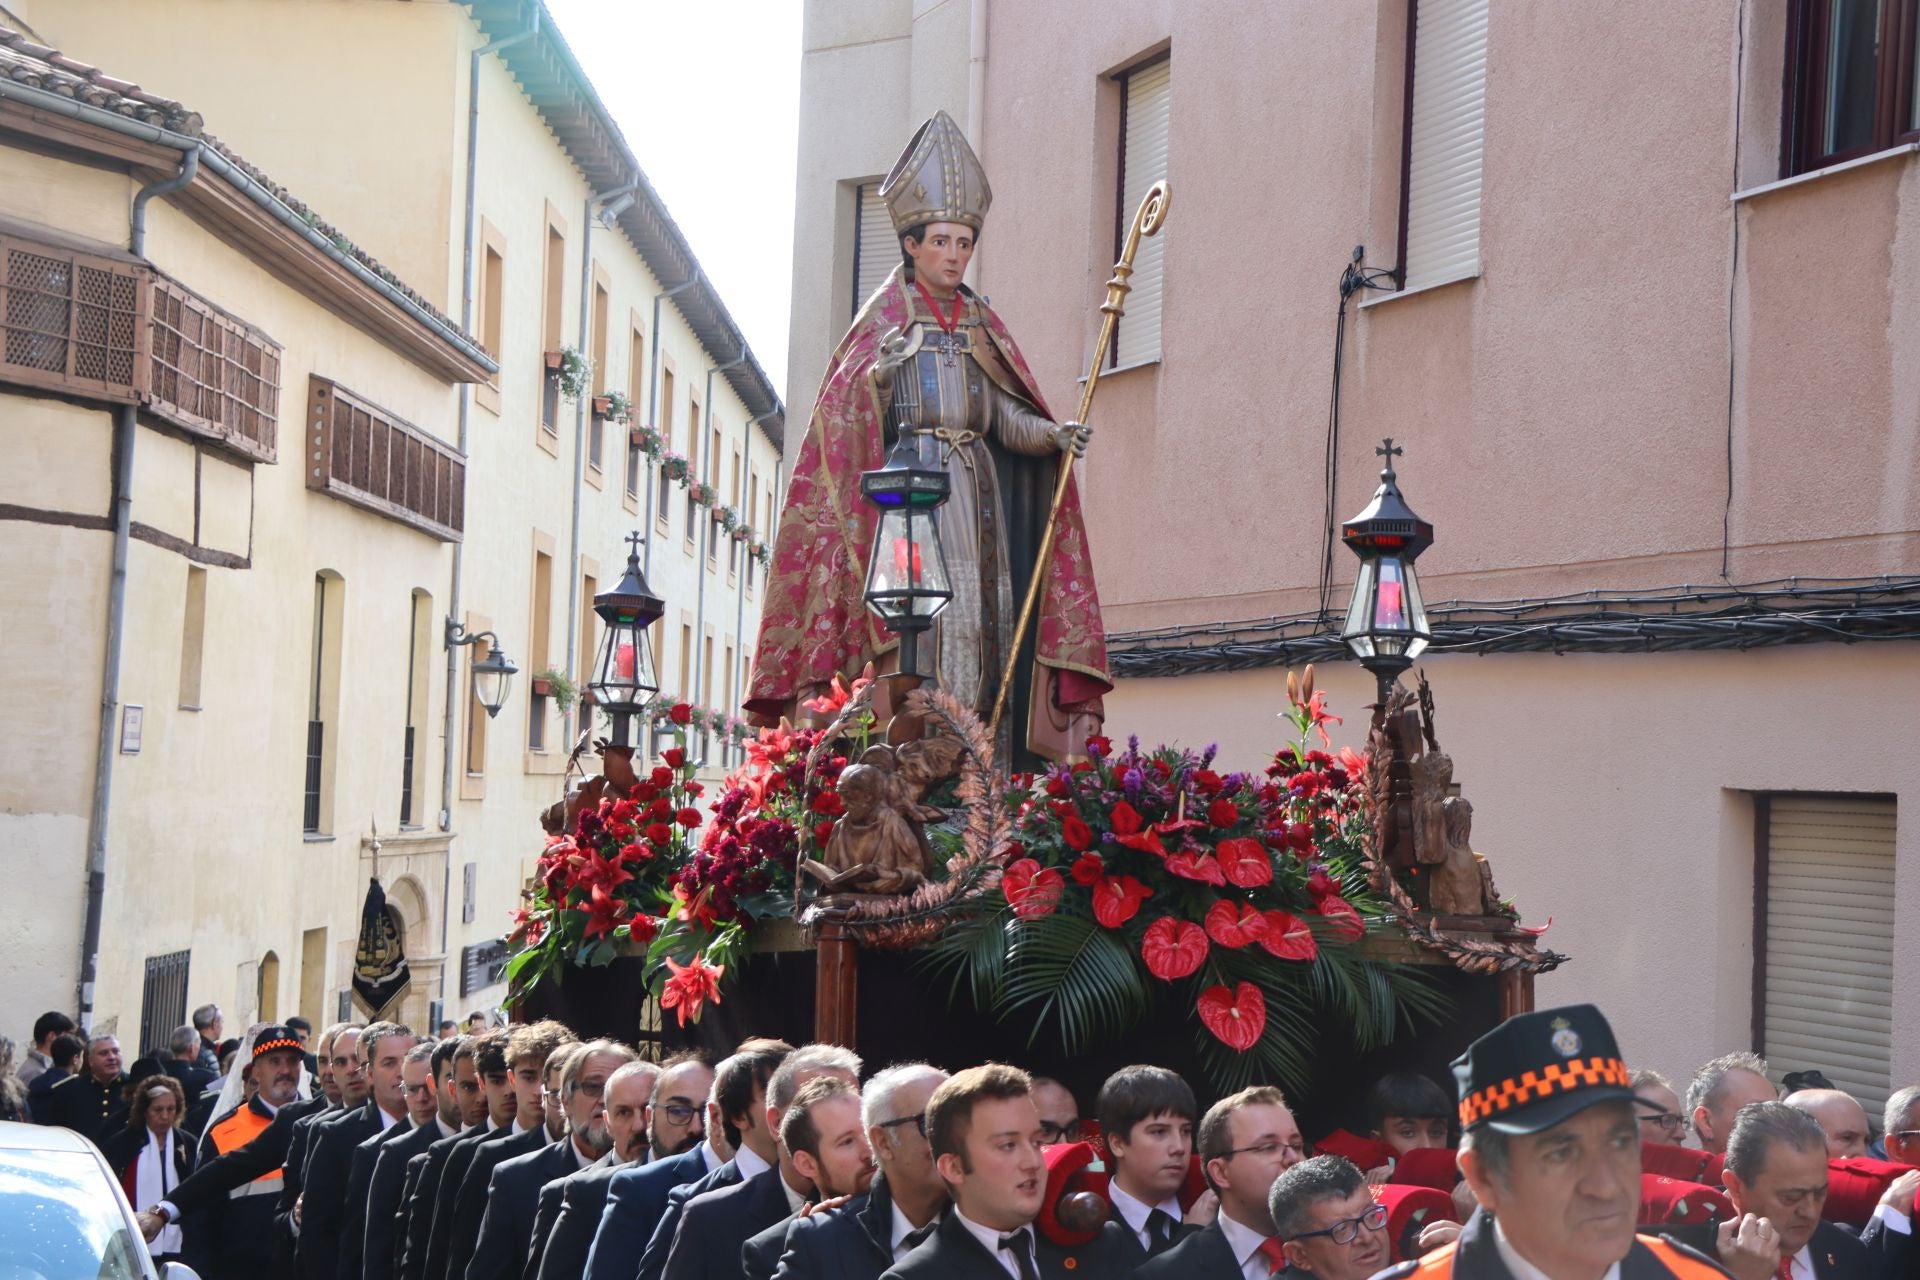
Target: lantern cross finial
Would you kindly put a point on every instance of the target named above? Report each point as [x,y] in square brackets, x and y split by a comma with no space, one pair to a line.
[634,540]
[1389,451]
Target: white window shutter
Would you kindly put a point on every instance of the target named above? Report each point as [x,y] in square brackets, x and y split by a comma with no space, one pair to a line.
[876,250]
[1444,142]
[1143,159]
[1829,968]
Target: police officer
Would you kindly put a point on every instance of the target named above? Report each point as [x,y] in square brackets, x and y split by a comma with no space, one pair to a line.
[1551,1147]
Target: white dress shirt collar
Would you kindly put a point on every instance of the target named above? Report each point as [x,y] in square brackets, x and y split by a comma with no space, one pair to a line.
[796,1200]
[990,1241]
[748,1161]
[1245,1243]
[446,1130]
[901,1230]
[1521,1269]
[1135,1212]
[388,1119]
[708,1156]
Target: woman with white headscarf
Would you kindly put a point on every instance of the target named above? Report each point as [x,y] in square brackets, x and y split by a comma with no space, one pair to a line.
[151,1156]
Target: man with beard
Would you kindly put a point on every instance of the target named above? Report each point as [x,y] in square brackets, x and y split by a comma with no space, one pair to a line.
[1247,1141]
[874,1231]
[446,1160]
[321,1217]
[422,1111]
[828,1145]
[513,1191]
[451,1067]
[231,1196]
[629,1090]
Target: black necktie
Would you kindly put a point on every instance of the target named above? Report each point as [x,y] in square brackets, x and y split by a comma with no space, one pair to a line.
[1159,1233]
[1020,1245]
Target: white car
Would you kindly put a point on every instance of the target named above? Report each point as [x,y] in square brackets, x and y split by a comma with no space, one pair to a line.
[63,1215]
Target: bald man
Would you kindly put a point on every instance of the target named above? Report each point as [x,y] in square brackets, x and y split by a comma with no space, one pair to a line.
[1840,1116]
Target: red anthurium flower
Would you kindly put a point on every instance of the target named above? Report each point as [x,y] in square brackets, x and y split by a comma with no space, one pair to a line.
[674,757]
[604,913]
[1075,833]
[681,713]
[1288,937]
[1173,948]
[1245,862]
[1032,890]
[1117,899]
[1535,930]
[1087,869]
[1205,868]
[1235,924]
[1235,1017]
[691,986]
[1147,841]
[1223,812]
[1338,912]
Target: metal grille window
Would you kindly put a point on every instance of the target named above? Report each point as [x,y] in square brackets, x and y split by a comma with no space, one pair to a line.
[70,322]
[361,453]
[163,999]
[1445,127]
[1823,954]
[214,375]
[1146,115]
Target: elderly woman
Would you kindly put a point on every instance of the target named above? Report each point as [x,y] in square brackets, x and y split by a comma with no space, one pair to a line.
[152,1156]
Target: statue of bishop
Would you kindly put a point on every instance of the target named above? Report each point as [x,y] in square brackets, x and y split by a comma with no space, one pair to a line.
[927,353]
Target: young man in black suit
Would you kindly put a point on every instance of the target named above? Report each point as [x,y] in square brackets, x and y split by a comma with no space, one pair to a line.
[513,1193]
[422,1110]
[715,1227]
[446,1160]
[1146,1116]
[986,1139]
[322,1215]
[387,1184]
[1246,1142]
[822,1135]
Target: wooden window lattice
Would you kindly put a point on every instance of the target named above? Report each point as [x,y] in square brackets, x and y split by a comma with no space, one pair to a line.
[70,322]
[213,374]
[365,455]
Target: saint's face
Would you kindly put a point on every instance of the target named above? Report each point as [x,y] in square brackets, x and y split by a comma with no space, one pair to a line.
[940,260]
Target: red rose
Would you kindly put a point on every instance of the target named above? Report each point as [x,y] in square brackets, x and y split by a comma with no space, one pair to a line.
[661,776]
[1087,869]
[1058,787]
[1173,948]
[1031,890]
[1077,834]
[822,832]
[1223,812]
[674,757]
[1126,819]
[1208,783]
[681,713]
[1245,862]
[659,833]
[688,818]
[829,805]
[1117,899]
[1320,884]
[1098,746]
[1299,837]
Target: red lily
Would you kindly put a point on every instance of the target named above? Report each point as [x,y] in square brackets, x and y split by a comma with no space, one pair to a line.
[605,913]
[691,986]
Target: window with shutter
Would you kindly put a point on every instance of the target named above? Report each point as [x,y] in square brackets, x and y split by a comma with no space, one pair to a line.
[362,454]
[1440,196]
[213,375]
[876,249]
[71,322]
[1826,939]
[1146,95]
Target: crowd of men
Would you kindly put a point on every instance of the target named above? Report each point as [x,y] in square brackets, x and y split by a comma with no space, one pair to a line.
[525,1154]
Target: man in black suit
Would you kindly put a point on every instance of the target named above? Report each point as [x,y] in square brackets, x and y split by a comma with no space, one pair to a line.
[321,1216]
[1246,1142]
[1327,1215]
[94,1103]
[446,1160]
[421,1116]
[1146,1115]
[353,1085]
[387,1184]
[536,1054]
[874,1231]
[739,1094]
[183,1064]
[823,1137]
[715,1227]
[570,1208]
[513,1193]
[986,1139]
[208,1022]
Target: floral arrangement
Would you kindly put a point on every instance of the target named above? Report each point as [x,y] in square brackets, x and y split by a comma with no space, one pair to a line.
[646,439]
[613,406]
[674,465]
[572,372]
[1144,877]
[703,494]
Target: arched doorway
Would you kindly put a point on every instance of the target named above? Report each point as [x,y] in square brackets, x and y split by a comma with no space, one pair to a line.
[267,995]
[407,908]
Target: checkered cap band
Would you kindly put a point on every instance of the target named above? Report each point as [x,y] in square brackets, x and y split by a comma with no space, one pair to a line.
[283,1042]
[1533,1086]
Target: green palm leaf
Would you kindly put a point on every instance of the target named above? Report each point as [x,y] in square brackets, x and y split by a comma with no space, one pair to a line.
[1075,973]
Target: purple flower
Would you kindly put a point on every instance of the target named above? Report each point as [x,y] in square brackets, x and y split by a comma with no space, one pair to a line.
[1206,757]
[1130,782]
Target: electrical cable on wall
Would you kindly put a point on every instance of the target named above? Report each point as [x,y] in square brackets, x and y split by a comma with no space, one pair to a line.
[1352,279]
[1733,278]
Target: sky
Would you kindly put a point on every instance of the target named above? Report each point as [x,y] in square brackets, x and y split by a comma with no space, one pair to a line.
[708,96]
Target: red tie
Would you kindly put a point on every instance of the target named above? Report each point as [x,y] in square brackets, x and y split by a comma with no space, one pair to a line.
[1276,1255]
[1786,1267]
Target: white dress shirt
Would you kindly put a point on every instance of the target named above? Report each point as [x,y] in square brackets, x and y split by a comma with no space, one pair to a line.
[990,1241]
[1135,1212]
[1524,1270]
[1245,1243]
[1893,1219]
[796,1200]
[748,1161]
[709,1156]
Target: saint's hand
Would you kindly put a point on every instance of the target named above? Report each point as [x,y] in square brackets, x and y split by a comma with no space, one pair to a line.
[1749,1247]
[1072,437]
[893,353]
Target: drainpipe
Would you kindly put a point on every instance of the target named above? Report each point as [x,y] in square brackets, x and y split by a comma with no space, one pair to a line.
[125,427]
[653,411]
[610,202]
[451,725]
[740,603]
[706,540]
[976,104]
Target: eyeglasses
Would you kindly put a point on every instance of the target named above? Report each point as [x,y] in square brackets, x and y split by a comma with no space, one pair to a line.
[1266,1150]
[1347,1230]
[1671,1121]
[918,1122]
[678,1112]
[1052,1132]
[590,1089]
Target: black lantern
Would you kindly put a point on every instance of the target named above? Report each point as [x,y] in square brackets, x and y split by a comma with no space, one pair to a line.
[1386,623]
[907,581]
[623,677]
[493,671]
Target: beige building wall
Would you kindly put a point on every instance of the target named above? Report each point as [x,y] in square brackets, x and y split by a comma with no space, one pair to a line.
[384,156]
[1647,304]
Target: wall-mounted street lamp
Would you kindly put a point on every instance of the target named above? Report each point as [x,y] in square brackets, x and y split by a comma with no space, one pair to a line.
[1386,623]
[492,673]
[623,677]
[907,582]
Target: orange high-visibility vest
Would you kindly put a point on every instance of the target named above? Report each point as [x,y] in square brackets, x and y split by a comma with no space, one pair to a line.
[239,1128]
[1678,1262]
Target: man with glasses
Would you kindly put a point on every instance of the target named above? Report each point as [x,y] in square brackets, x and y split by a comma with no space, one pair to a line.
[1661,1119]
[1325,1212]
[1247,1141]
[570,1208]
[874,1231]
[321,1215]
[513,1192]
[1059,1112]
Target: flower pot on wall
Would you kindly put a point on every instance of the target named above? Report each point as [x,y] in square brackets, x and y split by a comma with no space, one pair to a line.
[554,360]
